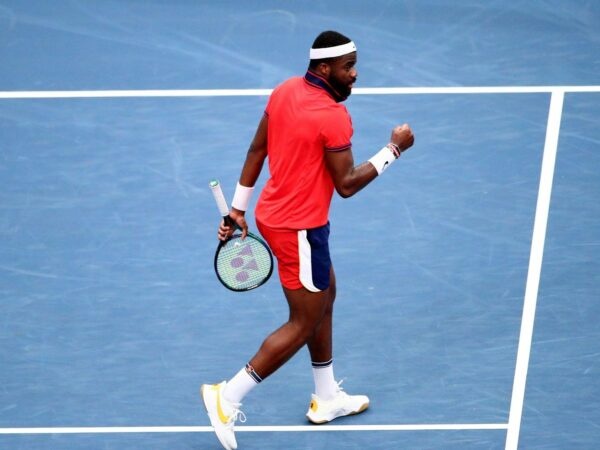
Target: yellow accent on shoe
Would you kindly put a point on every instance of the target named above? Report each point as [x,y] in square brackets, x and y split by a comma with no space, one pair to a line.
[222,416]
[323,411]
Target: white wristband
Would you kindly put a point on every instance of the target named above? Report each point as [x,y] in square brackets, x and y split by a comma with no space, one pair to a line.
[241,198]
[382,159]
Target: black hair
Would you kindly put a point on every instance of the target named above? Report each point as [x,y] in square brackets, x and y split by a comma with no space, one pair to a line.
[327,39]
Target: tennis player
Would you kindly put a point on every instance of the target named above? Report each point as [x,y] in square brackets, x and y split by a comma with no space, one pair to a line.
[306,132]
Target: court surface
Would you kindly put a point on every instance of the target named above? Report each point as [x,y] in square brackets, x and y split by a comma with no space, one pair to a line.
[468,274]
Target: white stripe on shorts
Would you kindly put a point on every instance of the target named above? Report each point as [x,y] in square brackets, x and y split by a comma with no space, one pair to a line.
[304,250]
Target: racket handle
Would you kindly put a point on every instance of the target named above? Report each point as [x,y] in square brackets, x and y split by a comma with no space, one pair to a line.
[215,187]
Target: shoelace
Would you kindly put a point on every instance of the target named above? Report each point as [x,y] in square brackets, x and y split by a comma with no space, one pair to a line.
[236,415]
[341,394]
[339,385]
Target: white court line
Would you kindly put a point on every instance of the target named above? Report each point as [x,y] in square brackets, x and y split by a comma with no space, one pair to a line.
[242,429]
[535,268]
[264,92]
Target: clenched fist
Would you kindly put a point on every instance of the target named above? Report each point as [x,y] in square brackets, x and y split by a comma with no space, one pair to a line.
[403,137]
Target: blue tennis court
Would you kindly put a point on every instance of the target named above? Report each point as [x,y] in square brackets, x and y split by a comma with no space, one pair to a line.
[468,274]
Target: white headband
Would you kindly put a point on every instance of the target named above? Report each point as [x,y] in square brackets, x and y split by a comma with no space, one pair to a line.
[332,52]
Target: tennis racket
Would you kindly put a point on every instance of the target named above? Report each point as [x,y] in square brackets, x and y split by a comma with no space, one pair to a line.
[241,265]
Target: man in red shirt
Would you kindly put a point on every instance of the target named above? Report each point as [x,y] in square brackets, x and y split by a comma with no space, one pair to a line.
[306,132]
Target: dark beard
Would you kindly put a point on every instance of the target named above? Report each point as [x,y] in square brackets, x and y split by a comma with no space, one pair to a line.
[340,88]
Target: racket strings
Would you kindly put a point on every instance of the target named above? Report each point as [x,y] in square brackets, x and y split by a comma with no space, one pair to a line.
[243,264]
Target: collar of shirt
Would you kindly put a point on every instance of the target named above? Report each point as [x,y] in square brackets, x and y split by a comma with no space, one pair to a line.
[319,82]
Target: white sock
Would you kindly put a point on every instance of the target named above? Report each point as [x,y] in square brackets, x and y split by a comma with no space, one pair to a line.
[325,386]
[242,383]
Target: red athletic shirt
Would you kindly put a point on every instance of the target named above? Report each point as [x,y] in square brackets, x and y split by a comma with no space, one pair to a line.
[304,122]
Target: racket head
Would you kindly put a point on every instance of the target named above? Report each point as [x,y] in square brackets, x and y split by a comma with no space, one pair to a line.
[243,265]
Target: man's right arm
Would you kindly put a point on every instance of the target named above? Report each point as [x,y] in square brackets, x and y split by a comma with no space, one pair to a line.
[256,155]
[255,158]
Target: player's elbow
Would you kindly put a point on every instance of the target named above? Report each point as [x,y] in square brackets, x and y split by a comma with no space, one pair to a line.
[345,191]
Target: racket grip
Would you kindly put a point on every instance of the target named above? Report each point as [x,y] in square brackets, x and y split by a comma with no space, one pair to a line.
[215,187]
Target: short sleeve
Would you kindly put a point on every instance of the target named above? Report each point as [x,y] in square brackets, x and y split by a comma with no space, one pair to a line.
[336,130]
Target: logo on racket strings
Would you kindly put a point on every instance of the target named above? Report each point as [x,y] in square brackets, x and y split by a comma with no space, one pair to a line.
[244,262]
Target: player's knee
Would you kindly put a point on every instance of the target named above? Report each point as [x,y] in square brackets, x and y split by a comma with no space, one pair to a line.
[304,327]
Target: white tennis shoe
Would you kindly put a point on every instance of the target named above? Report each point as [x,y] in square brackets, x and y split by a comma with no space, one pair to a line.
[323,411]
[222,414]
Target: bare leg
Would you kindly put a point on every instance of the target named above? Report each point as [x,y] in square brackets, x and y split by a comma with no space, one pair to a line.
[307,311]
[320,345]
